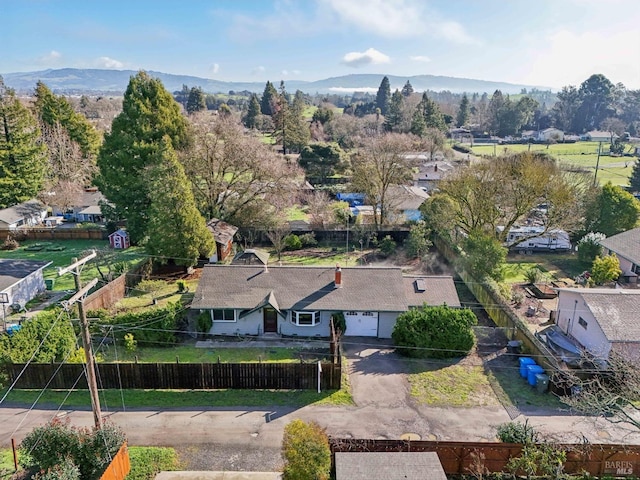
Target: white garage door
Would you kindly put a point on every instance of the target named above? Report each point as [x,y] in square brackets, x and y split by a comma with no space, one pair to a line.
[361,324]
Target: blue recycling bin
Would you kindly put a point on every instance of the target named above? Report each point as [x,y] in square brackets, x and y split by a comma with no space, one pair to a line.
[524,363]
[532,371]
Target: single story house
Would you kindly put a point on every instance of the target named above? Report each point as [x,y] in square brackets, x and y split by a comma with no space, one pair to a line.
[626,246]
[28,214]
[251,256]
[389,466]
[601,319]
[405,201]
[429,175]
[85,208]
[550,134]
[223,233]
[299,301]
[599,136]
[21,280]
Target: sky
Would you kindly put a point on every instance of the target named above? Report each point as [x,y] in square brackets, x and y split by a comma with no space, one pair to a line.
[547,43]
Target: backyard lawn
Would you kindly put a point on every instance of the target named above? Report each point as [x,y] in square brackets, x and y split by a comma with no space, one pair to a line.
[52,251]
[554,266]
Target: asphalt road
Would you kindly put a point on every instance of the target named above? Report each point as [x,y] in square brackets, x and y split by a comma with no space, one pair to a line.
[250,438]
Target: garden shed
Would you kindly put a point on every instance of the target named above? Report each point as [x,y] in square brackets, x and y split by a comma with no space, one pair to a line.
[119,239]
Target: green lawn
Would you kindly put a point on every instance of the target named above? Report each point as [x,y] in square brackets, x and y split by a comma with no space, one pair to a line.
[555,266]
[147,462]
[616,170]
[322,256]
[137,299]
[191,354]
[72,249]
[6,461]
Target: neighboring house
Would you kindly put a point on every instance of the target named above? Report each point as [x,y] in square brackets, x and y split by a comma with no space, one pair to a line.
[251,256]
[388,466]
[223,233]
[119,240]
[21,280]
[86,207]
[549,134]
[27,214]
[429,175]
[626,246]
[599,136]
[404,201]
[528,135]
[286,300]
[601,319]
[53,221]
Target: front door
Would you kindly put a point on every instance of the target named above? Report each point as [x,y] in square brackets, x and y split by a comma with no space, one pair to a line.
[270,320]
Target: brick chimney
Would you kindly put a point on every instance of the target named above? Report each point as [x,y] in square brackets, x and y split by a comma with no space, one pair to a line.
[338,276]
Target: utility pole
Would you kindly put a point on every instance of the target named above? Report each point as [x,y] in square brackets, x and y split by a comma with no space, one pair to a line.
[595,176]
[81,293]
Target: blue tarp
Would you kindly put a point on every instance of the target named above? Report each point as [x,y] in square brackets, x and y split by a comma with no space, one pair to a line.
[353,199]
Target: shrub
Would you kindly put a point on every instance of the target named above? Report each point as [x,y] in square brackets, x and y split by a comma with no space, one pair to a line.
[387,246]
[67,470]
[589,246]
[516,432]
[182,286]
[292,242]
[305,448]
[461,148]
[605,269]
[435,332]
[483,256]
[309,240]
[533,275]
[55,447]
[204,322]
[10,243]
[147,462]
[418,243]
[130,343]
[151,287]
[339,322]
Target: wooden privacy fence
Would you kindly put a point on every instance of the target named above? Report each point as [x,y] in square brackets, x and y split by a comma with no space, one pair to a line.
[57,233]
[181,376]
[119,467]
[463,458]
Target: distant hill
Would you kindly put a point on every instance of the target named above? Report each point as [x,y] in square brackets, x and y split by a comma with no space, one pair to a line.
[97,81]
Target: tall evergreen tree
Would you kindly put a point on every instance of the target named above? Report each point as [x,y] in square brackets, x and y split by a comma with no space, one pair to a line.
[463,111]
[22,155]
[418,125]
[383,97]
[149,115]
[634,181]
[196,102]
[596,103]
[394,115]
[253,112]
[56,110]
[407,90]
[175,228]
[432,114]
[269,96]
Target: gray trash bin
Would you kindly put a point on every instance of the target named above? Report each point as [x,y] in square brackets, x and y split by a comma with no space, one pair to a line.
[542,382]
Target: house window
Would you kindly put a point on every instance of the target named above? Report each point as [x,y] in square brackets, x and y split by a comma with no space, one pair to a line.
[582,322]
[306,319]
[367,314]
[350,314]
[223,315]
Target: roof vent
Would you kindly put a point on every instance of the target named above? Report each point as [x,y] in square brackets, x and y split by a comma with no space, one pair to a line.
[420,285]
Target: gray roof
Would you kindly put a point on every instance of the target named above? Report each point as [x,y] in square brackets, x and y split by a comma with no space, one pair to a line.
[31,208]
[12,271]
[617,312]
[251,256]
[625,244]
[406,197]
[389,466]
[312,288]
[438,290]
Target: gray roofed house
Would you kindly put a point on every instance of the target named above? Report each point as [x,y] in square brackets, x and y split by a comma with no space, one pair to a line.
[21,280]
[251,256]
[626,246]
[601,319]
[28,213]
[389,466]
[291,300]
[430,290]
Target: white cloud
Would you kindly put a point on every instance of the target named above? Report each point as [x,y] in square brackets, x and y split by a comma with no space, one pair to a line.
[419,58]
[369,57]
[259,69]
[215,68]
[398,19]
[107,62]
[52,57]
[285,72]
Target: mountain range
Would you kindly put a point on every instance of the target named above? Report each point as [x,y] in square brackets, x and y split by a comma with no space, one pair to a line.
[102,81]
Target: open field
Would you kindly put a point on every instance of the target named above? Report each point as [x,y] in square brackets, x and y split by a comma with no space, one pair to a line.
[583,154]
[72,249]
[555,266]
